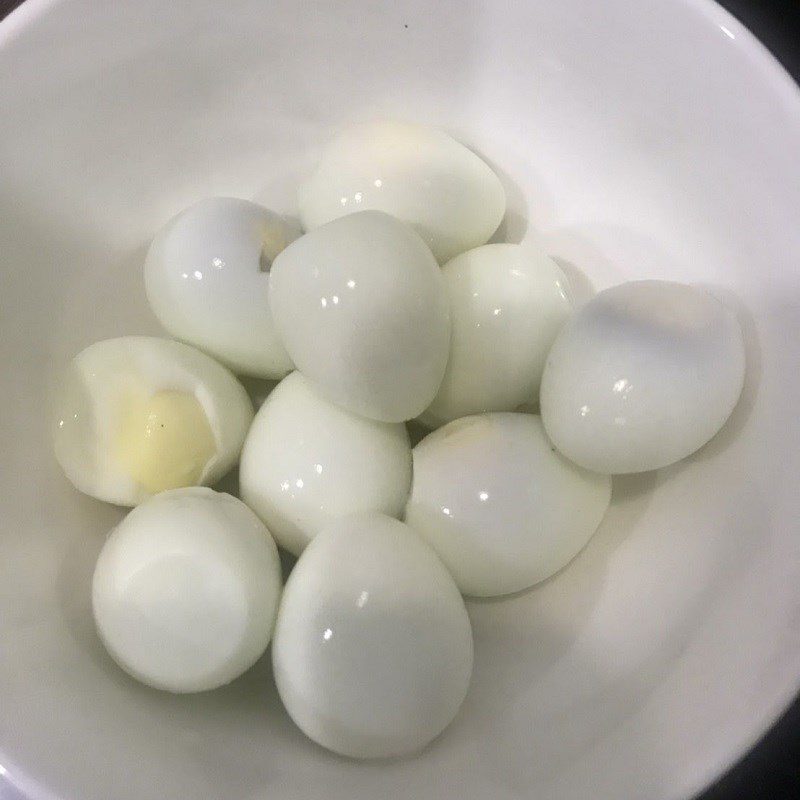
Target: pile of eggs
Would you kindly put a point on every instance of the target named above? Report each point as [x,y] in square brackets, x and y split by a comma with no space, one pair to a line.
[391,307]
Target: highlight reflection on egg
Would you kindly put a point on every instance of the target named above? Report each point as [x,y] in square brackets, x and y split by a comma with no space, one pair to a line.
[137,415]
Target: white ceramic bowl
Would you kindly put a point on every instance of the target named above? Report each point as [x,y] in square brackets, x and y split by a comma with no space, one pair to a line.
[637,139]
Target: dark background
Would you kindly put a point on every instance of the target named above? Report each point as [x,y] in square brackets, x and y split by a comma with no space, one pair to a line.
[771,771]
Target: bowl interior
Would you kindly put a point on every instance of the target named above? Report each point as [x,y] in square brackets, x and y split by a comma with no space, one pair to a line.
[636,138]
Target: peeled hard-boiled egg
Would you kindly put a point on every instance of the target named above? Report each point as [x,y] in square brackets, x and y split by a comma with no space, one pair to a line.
[206,276]
[307,461]
[360,305]
[372,650]
[417,174]
[501,508]
[507,303]
[137,415]
[186,590]
[642,376]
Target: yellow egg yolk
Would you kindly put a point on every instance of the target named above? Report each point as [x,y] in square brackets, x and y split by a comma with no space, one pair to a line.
[164,441]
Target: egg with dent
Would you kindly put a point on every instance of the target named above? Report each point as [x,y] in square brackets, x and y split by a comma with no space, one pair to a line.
[642,376]
[186,589]
[306,462]
[418,174]
[361,307]
[499,505]
[206,275]
[136,415]
[507,303]
[372,652]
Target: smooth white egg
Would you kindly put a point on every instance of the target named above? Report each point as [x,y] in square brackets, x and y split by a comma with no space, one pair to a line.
[137,415]
[507,303]
[306,462]
[361,308]
[642,376]
[415,173]
[206,276]
[499,505]
[186,589]
[372,651]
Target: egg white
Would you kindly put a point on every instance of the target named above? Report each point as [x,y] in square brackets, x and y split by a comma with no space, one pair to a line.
[185,590]
[206,275]
[420,175]
[372,652]
[361,307]
[642,376]
[90,398]
[499,505]
[306,462]
[507,303]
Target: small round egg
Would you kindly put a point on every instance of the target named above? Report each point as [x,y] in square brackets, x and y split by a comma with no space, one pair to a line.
[415,173]
[499,505]
[507,303]
[186,589]
[206,276]
[642,376]
[137,415]
[372,651]
[306,462]
[361,307]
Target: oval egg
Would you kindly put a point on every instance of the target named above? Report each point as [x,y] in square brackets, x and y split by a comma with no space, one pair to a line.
[501,508]
[186,589]
[306,462]
[372,652]
[415,173]
[642,376]
[507,303]
[206,276]
[361,307]
[137,415]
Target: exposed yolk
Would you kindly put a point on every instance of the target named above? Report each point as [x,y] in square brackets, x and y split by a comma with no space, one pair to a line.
[164,441]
